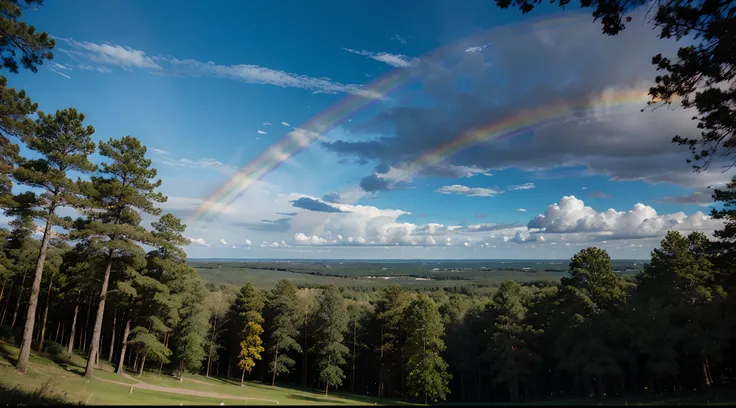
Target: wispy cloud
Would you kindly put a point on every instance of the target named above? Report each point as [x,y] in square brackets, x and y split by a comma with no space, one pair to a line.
[266,123]
[124,57]
[285,124]
[398,38]
[598,194]
[525,186]
[61,66]
[260,132]
[162,156]
[60,73]
[395,60]
[468,191]
[87,54]
[478,48]
[520,210]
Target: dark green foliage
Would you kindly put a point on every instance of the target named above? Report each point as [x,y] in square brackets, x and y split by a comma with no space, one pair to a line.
[283,317]
[19,42]
[427,370]
[331,326]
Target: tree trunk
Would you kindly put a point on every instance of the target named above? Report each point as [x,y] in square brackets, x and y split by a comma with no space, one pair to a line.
[112,338]
[166,344]
[58,326]
[352,375]
[706,377]
[275,360]
[25,345]
[7,302]
[2,291]
[242,378]
[124,345]
[85,330]
[304,375]
[135,362]
[63,332]
[20,297]
[143,363]
[97,331]
[327,386]
[209,359]
[70,347]
[45,314]
[381,371]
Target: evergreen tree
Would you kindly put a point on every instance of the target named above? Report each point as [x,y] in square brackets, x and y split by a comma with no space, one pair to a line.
[284,316]
[389,314]
[189,335]
[15,107]
[250,347]
[428,377]
[510,348]
[332,323]
[126,185]
[19,42]
[680,302]
[63,143]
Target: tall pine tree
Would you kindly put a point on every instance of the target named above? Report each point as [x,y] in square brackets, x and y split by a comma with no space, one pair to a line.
[63,143]
[125,186]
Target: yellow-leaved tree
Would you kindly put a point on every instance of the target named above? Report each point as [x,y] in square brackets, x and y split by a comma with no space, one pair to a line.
[250,348]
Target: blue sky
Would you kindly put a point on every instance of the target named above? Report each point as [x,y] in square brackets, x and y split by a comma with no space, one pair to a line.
[208,89]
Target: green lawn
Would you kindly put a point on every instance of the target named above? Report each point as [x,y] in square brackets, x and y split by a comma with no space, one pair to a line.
[65,381]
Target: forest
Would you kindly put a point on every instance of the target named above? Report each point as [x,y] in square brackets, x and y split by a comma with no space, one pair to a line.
[120,289]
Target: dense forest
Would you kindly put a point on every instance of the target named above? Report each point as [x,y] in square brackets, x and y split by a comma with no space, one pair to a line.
[116,288]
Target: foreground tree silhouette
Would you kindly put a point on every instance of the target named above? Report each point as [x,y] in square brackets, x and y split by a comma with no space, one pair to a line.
[126,185]
[15,107]
[63,142]
[19,42]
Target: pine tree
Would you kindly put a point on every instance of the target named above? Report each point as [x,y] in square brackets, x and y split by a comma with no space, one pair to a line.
[680,301]
[250,348]
[189,335]
[126,185]
[332,323]
[15,107]
[428,377]
[64,144]
[389,314]
[284,318]
[510,349]
[19,42]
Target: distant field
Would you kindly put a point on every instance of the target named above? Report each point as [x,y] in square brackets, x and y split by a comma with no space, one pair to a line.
[417,274]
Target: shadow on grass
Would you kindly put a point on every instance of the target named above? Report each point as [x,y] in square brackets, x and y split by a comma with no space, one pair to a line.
[306,398]
[43,395]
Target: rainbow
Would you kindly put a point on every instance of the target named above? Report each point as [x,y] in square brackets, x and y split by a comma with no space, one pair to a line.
[296,141]
[522,122]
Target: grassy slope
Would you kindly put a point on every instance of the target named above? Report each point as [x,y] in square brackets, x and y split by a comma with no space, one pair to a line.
[66,381]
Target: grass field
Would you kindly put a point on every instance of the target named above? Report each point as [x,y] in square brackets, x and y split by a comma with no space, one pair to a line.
[234,275]
[47,382]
